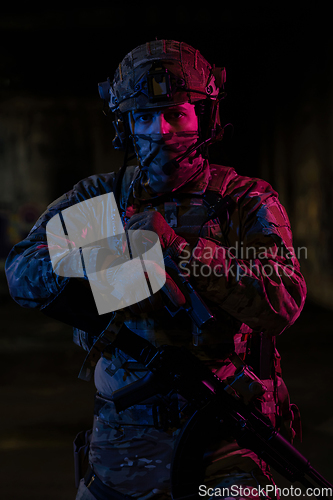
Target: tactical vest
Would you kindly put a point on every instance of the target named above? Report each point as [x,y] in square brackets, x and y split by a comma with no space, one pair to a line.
[192,216]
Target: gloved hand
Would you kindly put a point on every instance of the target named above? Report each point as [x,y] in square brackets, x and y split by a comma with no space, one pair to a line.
[154,221]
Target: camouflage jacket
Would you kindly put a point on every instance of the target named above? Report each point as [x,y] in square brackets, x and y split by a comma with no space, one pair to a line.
[243,263]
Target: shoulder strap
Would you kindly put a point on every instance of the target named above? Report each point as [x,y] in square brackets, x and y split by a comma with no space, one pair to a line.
[215,199]
[219,204]
[220,178]
[122,183]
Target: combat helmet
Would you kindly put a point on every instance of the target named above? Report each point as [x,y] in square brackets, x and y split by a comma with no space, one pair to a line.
[164,73]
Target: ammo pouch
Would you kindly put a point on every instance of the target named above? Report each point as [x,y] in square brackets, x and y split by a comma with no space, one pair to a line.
[81,455]
[266,360]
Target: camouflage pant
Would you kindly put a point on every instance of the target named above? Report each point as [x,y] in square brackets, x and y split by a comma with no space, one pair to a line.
[247,485]
[136,459]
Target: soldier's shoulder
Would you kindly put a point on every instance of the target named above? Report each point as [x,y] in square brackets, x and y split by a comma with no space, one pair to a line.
[94,185]
[227,181]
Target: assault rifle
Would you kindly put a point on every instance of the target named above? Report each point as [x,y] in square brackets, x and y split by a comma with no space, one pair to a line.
[212,404]
[175,369]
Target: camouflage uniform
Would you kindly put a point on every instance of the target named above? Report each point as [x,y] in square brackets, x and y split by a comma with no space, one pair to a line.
[261,292]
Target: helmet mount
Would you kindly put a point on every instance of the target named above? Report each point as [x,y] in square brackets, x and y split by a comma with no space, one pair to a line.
[159,86]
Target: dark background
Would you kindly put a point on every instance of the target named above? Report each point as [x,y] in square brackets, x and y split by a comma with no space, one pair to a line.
[52,134]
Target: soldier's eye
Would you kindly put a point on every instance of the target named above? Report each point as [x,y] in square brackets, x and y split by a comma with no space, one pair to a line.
[175,115]
[144,118]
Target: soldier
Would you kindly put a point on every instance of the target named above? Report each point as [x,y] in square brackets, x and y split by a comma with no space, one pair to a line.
[229,234]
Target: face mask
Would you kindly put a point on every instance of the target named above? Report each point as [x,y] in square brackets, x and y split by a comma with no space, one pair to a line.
[156,152]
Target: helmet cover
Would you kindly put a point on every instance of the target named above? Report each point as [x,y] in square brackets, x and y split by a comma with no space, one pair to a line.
[163,73]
